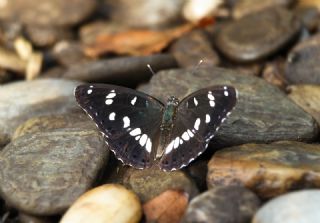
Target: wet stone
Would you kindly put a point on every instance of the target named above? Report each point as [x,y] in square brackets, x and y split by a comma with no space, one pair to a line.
[123,71]
[44,173]
[149,183]
[258,35]
[21,100]
[47,12]
[263,113]
[193,47]
[308,97]
[222,204]
[302,65]
[295,207]
[267,169]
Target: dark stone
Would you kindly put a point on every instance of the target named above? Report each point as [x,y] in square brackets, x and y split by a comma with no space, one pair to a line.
[267,169]
[5,76]
[26,218]
[123,71]
[198,172]
[302,65]
[257,36]
[44,173]
[222,204]
[309,16]
[193,47]
[263,113]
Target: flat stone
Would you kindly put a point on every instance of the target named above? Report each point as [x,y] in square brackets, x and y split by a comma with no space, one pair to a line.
[258,35]
[222,204]
[47,12]
[22,100]
[193,47]
[122,71]
[302,65]
[267,169]
[44,173]
[295,207]
[263,113]
[149,183]
[308,98]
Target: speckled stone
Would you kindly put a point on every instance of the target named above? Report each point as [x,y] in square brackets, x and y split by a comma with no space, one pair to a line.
[295,207]
[44,173]
[302,65]
[267,169]
[258,35]
[263,113]
[22,100]
[222,204]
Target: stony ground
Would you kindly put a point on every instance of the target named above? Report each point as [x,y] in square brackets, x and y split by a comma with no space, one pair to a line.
[262,166]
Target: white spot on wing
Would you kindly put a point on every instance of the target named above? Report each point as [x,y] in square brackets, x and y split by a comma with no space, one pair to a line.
[135,132]
[143,140]
[226,93]
[169,147]
[126,122]
[225,87]
[212,104]
[89,91]
[133,101]
[190,133]
[181,141]
[210,96]
[149,145]
[91,86]
[208,118]
[109,101]
[112,116]
[176,143]
[112,91]
[111,95]
[195,101]
[185,136]
[197,124]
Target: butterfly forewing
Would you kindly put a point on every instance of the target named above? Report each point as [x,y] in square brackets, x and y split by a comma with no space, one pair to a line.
[198,117]
[129,120]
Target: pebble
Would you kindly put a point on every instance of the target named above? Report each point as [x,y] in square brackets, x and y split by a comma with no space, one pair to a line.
[296,207]
[258,35]
[193,47]
[267,169]
[122,71]
[263,113]
[43,173]
[47,12]
[302,65]
[307,97]
[149,183]
[22,100]
[222,204]
[106,203]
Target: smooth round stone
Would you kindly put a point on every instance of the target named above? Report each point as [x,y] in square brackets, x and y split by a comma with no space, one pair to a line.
[44,173]
[222,204]
[47,12]
[149,183]
[295,207]
[106,203]
[263,113]
[145,13]
[267,169]
[302,65]
[22,100]
[258,35]
[308,97]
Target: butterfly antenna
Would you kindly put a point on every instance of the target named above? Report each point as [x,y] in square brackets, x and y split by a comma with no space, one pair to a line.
[151,70]
[196,67]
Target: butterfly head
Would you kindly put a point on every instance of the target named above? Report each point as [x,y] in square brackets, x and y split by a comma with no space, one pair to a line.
[172,100]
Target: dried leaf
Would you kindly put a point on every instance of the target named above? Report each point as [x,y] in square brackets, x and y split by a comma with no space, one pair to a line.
[136,42]
[168,207]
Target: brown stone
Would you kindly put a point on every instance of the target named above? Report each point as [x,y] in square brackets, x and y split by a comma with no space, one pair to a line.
[267,169]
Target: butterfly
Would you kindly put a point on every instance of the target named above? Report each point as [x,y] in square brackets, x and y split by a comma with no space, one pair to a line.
[143,132]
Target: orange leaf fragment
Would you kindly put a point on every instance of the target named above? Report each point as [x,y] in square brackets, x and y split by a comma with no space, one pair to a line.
[168,207]
[136,42]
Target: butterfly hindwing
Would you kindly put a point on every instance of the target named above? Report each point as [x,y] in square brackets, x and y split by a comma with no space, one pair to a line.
[198,117]
[129,120]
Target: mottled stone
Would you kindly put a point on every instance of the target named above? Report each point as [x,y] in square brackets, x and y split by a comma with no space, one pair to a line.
[44,173]
[149,183]
[245,7]
[295,207]
[273,72]
[263,113]
[193,47]
[267,169]
[222,204]
[258,35]
[302,65]
[22,100]
[123,70]
[308,97]
[47,12]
